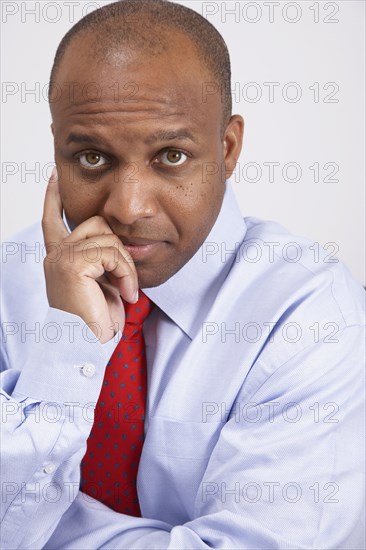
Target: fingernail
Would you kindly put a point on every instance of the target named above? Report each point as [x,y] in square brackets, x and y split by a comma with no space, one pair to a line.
[54,175]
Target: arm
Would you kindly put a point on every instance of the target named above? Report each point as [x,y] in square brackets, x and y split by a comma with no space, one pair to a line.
[47,408]
[46,416]
[292,478]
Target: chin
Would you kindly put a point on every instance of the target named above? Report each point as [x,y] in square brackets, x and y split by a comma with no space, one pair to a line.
[149,278]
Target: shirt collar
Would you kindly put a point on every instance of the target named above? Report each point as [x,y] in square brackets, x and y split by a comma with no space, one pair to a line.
[189,294]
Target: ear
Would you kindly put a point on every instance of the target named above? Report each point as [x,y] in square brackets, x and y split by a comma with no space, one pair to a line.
[232,142]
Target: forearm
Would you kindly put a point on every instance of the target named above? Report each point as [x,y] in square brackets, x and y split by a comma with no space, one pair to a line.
[46,416]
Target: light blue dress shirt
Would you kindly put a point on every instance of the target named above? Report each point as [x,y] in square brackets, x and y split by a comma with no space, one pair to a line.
[255,411]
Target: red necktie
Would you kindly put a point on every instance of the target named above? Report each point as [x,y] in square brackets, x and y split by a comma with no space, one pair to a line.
[110,464]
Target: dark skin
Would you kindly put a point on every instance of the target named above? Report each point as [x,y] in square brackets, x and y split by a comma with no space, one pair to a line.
[146,181]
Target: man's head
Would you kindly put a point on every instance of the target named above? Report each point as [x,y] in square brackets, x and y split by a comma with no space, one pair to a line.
[140,137]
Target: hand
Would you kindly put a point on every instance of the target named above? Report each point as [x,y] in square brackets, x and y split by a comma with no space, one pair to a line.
[88,270]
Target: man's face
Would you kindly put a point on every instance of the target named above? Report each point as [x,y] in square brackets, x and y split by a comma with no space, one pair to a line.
[137,143]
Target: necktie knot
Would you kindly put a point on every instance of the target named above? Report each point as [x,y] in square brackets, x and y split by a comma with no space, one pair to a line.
[137,313]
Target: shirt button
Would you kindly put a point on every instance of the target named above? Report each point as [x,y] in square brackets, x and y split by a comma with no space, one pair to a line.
[88,370]
[49,469]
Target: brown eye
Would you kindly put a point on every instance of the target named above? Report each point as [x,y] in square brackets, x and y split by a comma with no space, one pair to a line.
[172,157]
[92,160]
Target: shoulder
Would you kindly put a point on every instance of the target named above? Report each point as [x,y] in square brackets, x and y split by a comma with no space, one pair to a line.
[23,252]
[22,278]
[286,293]
[295,270]
[17,247]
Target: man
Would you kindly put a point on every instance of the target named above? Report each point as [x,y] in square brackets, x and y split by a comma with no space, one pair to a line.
[253,416]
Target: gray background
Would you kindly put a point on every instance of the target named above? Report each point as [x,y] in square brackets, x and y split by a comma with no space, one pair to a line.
[298,81]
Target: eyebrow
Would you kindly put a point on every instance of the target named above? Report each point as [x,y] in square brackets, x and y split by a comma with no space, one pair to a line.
[170,135]
[84,138]
[162,135]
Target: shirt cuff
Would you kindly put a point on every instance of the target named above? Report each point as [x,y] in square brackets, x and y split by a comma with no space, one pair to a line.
[67,364]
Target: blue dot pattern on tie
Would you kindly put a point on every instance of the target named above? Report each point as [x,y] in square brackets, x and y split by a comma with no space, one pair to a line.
[116,439]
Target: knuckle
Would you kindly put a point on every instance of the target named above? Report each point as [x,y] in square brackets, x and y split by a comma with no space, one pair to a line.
[99,221]
[46,263]
[45,222]
[113,253]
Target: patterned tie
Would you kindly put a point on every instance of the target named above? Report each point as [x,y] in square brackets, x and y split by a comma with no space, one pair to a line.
[110,464]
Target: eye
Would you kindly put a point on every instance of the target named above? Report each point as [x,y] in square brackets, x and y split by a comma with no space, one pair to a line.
[92,160]
[173,157]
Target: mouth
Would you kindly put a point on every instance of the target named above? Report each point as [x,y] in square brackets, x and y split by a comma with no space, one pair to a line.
[140,249]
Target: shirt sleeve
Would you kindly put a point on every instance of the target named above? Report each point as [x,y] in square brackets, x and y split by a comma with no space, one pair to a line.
[286,471]
[46,416]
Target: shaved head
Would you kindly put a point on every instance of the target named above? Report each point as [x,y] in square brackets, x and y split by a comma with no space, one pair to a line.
[149,27]
[136,140]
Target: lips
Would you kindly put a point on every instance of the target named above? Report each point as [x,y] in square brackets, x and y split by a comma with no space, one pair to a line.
[140,248]
[138,242]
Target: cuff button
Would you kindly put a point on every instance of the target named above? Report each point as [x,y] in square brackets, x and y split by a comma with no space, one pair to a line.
[49,469]
[88,370]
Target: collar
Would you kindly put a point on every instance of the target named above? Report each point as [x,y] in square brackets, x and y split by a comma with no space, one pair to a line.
[189,294]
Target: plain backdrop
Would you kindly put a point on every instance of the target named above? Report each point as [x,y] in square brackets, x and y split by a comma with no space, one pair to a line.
[298,81]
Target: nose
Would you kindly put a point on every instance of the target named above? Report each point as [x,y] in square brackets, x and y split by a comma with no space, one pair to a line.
[132,196]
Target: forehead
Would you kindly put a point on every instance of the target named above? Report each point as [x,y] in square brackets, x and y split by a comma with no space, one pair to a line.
[134,82]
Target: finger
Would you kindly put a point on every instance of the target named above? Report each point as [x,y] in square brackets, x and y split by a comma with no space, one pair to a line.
[115,283]
[92,227]
[54,229]
[91,248]
[112,264]
[121,274]
[115,304]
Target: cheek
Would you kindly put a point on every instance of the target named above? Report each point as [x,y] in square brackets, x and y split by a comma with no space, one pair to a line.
[79,200]
[194,208]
